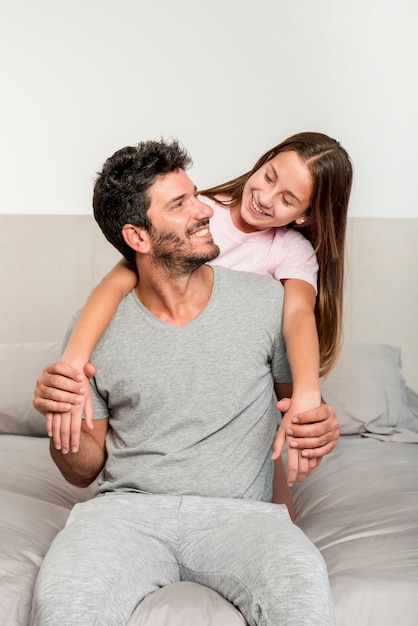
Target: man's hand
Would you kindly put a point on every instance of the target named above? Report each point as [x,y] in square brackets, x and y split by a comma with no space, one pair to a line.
[308,436]
[62,394]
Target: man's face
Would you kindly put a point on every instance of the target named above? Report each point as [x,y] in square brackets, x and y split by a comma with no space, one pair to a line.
[181,239]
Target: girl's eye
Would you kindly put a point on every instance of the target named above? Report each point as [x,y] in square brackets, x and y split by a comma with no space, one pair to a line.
[285,202]
[268,179]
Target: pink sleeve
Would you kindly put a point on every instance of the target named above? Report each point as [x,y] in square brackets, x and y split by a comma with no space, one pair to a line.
[298,259]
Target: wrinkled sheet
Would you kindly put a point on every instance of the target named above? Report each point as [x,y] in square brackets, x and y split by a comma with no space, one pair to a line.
[360,507]
[35,502]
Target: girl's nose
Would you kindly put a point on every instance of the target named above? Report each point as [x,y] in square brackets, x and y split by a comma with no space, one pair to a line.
[266,197]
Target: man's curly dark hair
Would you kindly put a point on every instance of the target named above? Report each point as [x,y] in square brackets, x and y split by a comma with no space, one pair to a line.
[120,192]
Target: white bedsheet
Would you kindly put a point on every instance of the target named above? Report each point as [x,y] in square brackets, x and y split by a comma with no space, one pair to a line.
[360,507]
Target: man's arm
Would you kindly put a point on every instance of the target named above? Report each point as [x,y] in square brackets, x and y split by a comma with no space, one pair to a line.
[82,467]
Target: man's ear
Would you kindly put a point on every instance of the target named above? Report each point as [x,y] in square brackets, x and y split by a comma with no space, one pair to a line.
[136,238]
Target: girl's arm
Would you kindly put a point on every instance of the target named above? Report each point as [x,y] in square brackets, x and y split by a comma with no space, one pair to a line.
[97,312]
[301,337]
[93,319]
[302,346]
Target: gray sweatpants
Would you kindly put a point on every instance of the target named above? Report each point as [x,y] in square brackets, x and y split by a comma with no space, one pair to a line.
[117,548]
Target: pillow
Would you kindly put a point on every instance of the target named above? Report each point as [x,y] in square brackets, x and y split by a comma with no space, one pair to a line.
[368,392]
[185,604]
[20,365]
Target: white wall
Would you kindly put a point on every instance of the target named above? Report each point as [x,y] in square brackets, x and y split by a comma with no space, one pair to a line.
[229,78]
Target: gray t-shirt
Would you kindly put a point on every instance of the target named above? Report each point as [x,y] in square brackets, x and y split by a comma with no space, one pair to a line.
[191,409]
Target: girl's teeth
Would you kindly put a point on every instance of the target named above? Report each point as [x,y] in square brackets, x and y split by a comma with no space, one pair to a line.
[255,207]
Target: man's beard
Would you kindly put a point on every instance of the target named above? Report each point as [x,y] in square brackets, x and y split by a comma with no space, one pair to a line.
[172,253]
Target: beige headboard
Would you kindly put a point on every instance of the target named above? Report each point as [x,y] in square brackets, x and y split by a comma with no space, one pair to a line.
[49,263]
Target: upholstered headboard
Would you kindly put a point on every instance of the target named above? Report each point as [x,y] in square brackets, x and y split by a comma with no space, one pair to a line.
[49,264]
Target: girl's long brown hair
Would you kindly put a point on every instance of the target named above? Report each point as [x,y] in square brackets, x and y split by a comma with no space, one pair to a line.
[325,227]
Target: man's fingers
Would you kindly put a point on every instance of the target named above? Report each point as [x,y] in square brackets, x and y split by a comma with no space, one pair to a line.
[50,406]
[53,387]
[59,395]
[283,405]
[51,400]
[310,453]
[316,434]
[90,370]
[64,370]
[320,414]
[313,442]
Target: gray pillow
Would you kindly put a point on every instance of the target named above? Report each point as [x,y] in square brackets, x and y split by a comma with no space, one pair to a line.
[368,392]
[20,365]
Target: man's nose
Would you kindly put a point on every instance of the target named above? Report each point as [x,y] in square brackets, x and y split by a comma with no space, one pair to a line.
[202,210]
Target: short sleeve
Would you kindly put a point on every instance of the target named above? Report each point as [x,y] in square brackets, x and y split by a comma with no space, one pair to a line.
[298,259]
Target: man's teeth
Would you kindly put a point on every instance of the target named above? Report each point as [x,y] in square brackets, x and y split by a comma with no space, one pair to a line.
[201,233]
[255,207]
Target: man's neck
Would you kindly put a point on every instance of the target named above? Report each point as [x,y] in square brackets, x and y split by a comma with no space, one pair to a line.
[175,300]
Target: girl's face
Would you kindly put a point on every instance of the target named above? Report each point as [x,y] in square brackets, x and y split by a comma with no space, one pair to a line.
[276,194]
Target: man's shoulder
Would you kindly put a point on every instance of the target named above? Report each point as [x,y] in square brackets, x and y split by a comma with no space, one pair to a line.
[249,300]
[251,278]
[238,283]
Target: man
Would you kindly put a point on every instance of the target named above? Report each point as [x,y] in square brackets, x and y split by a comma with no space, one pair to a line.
[184,425]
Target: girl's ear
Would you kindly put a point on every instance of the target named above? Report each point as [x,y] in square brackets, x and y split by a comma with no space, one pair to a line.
[136,238]
[305,217]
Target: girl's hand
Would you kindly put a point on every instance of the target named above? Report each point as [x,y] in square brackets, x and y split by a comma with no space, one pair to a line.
[298,467]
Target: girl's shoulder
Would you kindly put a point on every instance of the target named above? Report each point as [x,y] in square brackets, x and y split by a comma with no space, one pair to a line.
[290,237]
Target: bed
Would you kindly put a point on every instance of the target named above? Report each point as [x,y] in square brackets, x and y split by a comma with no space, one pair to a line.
[360,506]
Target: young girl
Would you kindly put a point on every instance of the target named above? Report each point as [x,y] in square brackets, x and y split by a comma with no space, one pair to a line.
[286,217]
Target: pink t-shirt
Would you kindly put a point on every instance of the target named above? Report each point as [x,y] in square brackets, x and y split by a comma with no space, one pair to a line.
[281,252]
